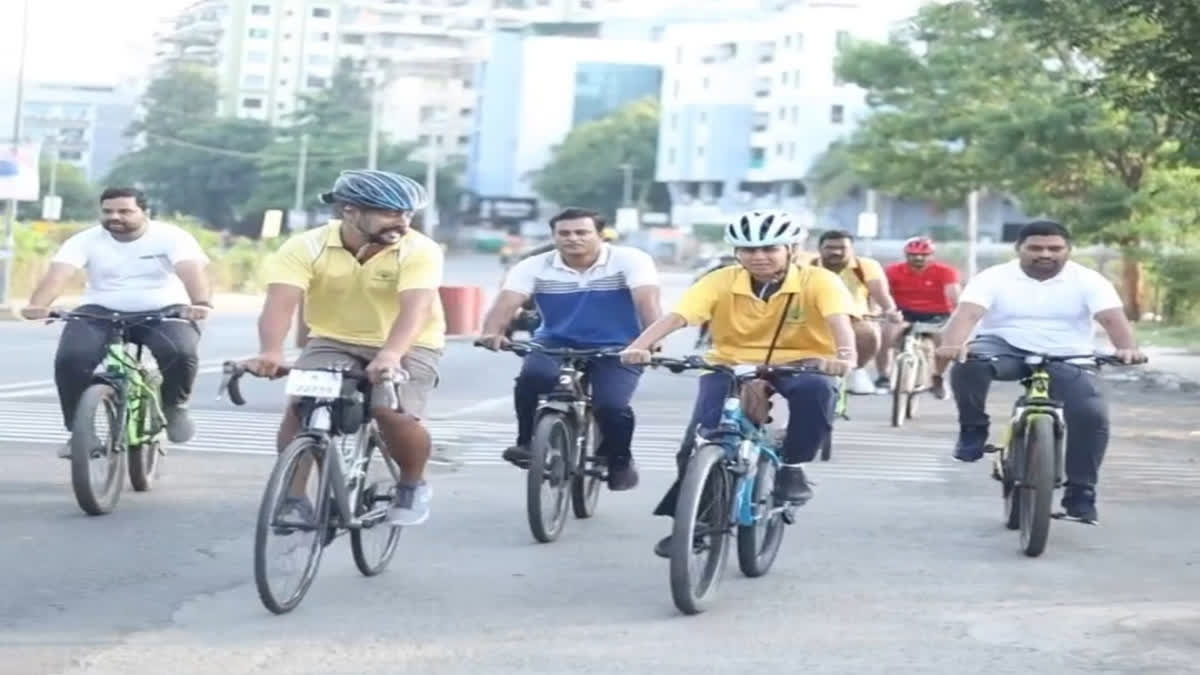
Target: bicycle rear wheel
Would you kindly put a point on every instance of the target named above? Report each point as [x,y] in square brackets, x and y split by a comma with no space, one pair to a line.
[97,462]
[374,544]
[143,465]
[702,514]
[552,450]
[302,456]
[758,544]
[585,489]
[1036,490]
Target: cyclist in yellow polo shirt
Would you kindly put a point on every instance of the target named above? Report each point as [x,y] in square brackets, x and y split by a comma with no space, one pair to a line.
[746,305]
[369,284]
[868,284]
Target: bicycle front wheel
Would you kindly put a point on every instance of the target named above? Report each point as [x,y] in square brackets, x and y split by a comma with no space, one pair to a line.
[298,519]
[374,544]
[546,482]
[589,477]
[699,542]
[97,463]
[1037,484]
[902,389]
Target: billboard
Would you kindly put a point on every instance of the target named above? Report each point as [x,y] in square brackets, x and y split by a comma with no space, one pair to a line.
[19,171]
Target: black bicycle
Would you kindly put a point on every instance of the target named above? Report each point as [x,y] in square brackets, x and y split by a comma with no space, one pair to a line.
[124,396]
[338,436]
[1029,459]
[563,457]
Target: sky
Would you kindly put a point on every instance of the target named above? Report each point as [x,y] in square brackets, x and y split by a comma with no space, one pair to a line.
[81,40]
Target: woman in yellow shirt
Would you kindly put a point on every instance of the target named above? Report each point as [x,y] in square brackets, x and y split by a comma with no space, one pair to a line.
[746,305]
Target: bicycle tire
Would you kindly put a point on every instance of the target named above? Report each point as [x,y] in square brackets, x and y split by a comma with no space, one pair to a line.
[277,490]
[551,428]
[143,465]
[367,498]
[99,396]
[1037,490]
[754,559]
[919,375]
[1005,465]
[585,489]
[693,596]
[901,391]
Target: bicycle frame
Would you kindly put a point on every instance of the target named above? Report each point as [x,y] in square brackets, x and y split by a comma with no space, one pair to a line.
[317,423]
[124,372]
[910,348]
[1036,401]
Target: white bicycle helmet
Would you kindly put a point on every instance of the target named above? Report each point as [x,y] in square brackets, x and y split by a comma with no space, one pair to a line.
[762,228]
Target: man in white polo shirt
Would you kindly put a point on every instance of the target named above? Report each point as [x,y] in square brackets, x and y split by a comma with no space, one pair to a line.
[133,264]
[1041,303]
[590,294]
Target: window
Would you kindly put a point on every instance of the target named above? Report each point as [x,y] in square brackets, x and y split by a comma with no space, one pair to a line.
[837,113]
[699,150]
[796,78]
[795,114]
[783,113]
[787,40]
[259,33]
[704,83]
[783,77]
[315,82]
[321,37]
[254,81]
[256,57]
[761,121]
[431,20]
[321,13]
[779,149]
[353,39]
[758,158]
[260,10]
[465,112]
[252,103]
[464,140]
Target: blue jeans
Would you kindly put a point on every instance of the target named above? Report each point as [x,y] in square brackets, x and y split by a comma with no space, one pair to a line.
[1084,407]
[613,385]
[811,399]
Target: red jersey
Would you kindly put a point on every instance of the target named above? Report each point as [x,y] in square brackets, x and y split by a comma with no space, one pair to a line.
[924,290]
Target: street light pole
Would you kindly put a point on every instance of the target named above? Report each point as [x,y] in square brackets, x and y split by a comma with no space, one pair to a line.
[627,187]
[7,254]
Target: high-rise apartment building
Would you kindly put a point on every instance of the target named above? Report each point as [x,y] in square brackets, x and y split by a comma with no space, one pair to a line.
[82,124]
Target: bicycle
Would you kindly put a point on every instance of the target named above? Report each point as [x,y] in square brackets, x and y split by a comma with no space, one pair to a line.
[564,444]
[739,459]
[913,369]
[334,407]
[126,386]
[1028,462]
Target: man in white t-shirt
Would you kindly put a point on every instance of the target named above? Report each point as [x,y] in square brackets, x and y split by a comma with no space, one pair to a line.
[133,264]
[1041,303]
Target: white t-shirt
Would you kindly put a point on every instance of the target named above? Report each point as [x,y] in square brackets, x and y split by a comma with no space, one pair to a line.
[1053,317]
[132,276]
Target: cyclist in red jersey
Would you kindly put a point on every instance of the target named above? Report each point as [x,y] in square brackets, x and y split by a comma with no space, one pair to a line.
[925,290]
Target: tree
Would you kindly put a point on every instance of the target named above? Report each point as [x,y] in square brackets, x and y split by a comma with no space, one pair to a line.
[337,122]
[193,162]
[967,99]
[585,169]
[78,195]
[831,176]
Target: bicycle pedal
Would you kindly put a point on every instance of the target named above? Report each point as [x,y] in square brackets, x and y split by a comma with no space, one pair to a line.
[989,448]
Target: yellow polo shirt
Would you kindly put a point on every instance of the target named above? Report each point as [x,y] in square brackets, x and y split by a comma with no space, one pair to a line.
[357,302]
[742,325]
[868,268]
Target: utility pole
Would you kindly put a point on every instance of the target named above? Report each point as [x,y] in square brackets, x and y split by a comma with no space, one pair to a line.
[627,186]
[373,139]
[7,253]
[301,176]
[972,233]
[432,156]
[50,192]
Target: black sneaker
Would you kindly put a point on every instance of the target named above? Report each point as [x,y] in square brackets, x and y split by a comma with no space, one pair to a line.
[883,384]
[517,455]
[179,425]
[622,476]
[663,548]
[937,387]
[1079,501]
[791,485]
[971,443]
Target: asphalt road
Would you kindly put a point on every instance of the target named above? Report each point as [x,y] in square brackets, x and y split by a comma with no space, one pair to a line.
[900,563]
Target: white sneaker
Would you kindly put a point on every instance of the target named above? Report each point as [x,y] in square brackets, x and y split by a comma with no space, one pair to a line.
[860,382]
[410,504]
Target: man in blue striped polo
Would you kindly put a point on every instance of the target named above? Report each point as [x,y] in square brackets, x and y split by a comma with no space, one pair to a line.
[590,295]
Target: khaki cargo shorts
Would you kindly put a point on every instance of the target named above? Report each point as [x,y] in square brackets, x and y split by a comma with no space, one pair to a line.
[420,362]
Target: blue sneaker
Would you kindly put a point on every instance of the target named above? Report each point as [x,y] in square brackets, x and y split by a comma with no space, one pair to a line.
[971,443]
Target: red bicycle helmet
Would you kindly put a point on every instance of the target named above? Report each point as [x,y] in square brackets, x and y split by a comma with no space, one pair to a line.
[919,246]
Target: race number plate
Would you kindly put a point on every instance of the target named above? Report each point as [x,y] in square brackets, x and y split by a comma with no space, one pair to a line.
[315,383]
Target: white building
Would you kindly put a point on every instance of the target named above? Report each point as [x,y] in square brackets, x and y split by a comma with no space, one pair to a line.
[83,123]
[748,106]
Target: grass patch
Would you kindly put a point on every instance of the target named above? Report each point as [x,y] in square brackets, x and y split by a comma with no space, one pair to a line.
[1175,336]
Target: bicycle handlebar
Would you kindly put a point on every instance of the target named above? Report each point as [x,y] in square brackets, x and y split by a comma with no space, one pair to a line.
[1098,359]
[232,372]
[119,317]
[696,363]
[524,348]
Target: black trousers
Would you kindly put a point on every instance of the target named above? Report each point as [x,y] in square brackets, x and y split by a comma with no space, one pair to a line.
[81,348]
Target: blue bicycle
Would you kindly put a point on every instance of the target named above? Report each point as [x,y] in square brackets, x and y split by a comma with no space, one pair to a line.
[728,484]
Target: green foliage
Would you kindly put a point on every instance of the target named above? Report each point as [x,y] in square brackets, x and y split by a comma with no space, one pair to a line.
[585,169]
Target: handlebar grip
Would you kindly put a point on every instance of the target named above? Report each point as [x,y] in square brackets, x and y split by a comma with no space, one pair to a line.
[232,375]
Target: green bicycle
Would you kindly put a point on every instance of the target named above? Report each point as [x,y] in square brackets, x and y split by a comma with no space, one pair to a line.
[1029,459]
[123,394]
